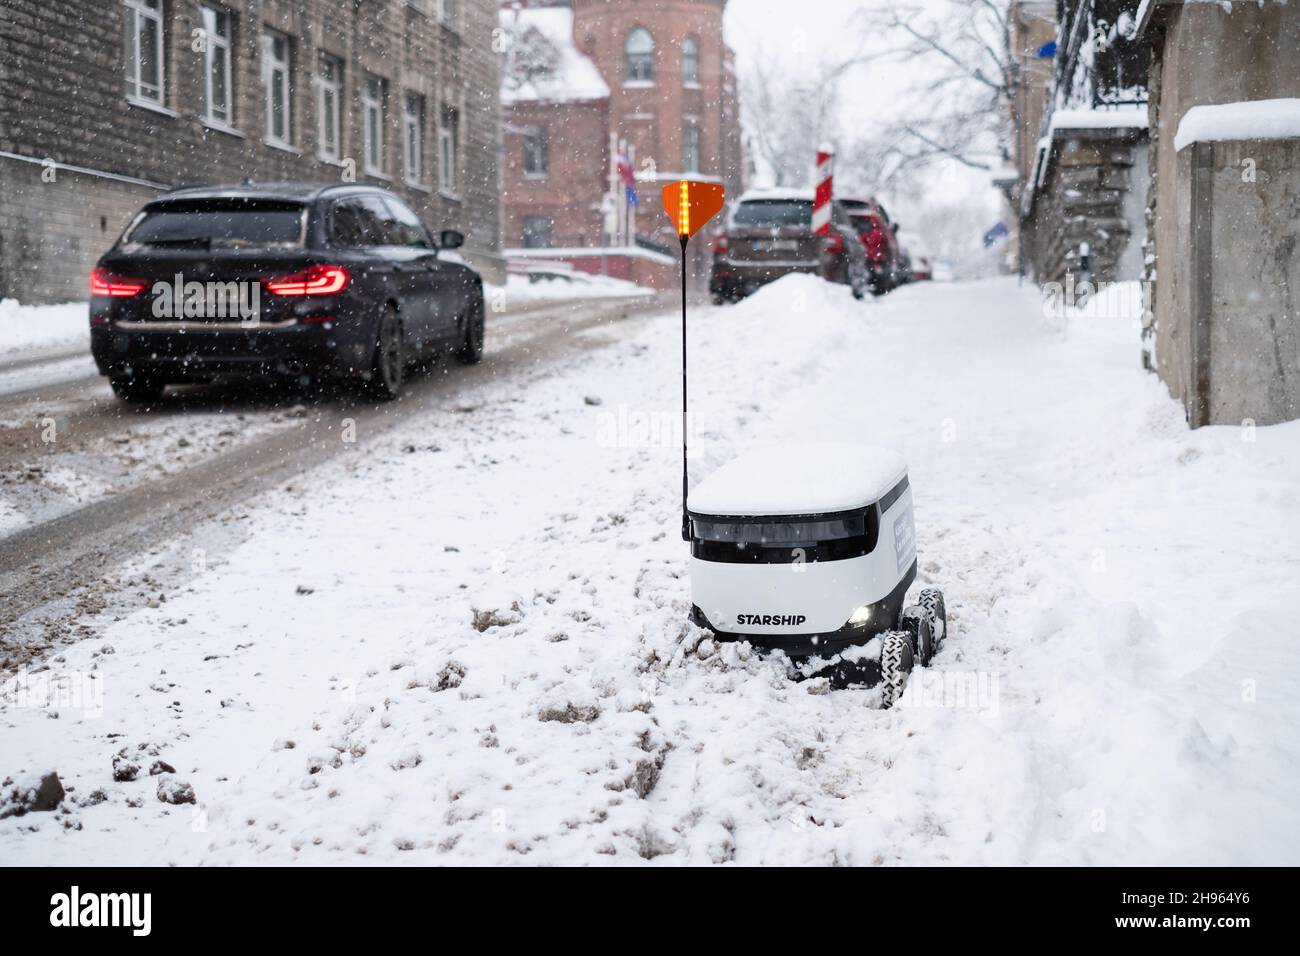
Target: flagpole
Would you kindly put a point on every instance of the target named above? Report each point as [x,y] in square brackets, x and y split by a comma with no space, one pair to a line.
[611,232]
[686,515]
[632,208]
[622,197]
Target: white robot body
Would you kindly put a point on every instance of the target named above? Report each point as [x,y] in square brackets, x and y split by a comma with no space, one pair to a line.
[807,548]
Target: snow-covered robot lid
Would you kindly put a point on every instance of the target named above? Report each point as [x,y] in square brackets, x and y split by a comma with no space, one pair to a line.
[800,479]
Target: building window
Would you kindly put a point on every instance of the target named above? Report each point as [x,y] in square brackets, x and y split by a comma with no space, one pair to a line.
[328,86]
[537,232]
[216,65]
[449,148]
[691,149]
[639,56]
[690,62]
[372,125]
[447,12]
[275,78]
[144,50]
[413,137]
[537,158]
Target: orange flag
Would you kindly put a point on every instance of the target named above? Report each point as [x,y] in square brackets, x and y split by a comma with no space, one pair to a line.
[691,204]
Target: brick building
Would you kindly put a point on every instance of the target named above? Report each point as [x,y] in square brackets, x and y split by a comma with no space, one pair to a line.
[102,105]
[587,79]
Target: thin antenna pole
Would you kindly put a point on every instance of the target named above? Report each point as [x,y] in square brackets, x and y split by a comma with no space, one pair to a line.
[686,520]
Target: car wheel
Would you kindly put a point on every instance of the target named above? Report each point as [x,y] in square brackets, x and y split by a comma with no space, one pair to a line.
[389,363]
[471,352]
[137,389]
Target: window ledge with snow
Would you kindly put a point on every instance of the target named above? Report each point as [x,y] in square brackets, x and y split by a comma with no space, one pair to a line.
[282,146]
[151,105]
[221,127]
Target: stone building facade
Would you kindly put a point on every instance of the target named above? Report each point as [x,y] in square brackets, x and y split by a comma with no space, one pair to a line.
[1225,197]
[586,79]
[104,105]
[1081,187]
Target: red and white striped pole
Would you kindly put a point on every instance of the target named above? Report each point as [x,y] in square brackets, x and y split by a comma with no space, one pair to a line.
[821,217]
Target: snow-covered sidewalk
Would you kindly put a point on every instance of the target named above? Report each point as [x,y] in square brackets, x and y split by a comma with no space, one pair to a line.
[467,641]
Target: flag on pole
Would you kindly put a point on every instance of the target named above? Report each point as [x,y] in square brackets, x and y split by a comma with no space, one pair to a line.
[628,175]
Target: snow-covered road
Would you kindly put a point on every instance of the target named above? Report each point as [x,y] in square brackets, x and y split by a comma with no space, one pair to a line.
[467,641]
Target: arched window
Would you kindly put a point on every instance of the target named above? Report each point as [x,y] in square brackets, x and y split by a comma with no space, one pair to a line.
[639,56]
[691,62]
[691,149]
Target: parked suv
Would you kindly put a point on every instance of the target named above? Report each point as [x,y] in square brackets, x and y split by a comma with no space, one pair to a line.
[880,236]
[768,234]
[916,256]
[279,280]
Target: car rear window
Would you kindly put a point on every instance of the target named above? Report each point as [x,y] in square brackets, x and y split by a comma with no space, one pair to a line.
[210,223]
[773,212]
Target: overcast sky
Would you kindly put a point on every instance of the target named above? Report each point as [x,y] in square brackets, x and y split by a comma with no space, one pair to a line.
[826,28]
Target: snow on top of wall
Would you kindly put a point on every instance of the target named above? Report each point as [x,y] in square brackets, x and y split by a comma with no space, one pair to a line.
[1250,119]
[543,64]
[1125,117]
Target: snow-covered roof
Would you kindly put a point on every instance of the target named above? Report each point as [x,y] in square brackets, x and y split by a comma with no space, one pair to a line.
[776,192]
[797,479]
[542,62]
[1251,119]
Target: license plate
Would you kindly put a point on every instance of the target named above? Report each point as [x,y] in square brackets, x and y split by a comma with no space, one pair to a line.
[785,245]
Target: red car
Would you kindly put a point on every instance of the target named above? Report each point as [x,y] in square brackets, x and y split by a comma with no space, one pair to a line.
[880,236]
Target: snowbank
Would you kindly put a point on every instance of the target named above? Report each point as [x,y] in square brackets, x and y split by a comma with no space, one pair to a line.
[570,285]
[42,328]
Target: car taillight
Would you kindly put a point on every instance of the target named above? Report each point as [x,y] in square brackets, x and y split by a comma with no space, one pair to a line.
[103,282]
[720,244]
[835,243]
[875,240]
[317,280]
